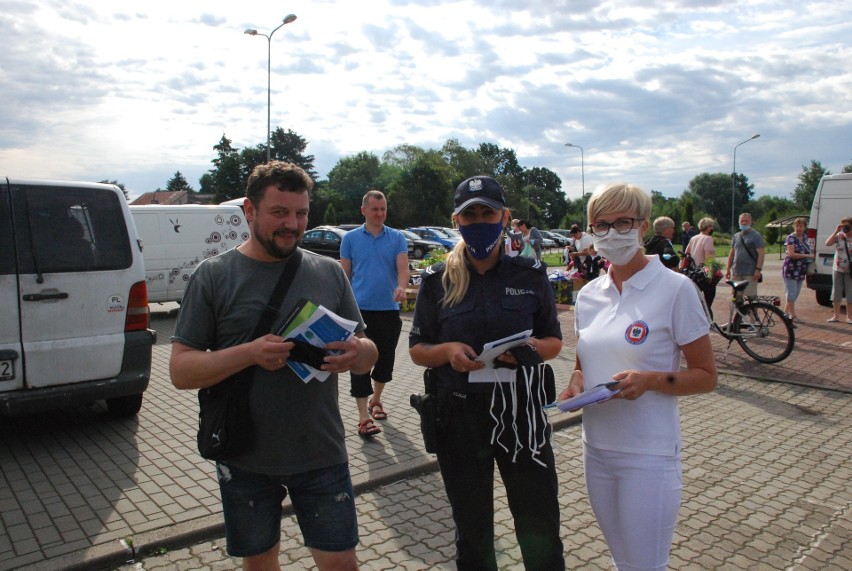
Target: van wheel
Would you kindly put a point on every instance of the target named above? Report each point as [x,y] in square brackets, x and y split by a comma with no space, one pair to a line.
[124,406]
[823,297]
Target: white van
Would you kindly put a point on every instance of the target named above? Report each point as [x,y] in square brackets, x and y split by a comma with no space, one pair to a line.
[832,202]
[175,239]
[75,307]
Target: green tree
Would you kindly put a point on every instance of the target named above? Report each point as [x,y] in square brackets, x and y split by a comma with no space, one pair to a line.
[227,179]
[544,188]
[847,168]
[290,147]
[803,194]
[502,164]
[711,193]
[350,179]
[464,163]
[422,194]
[178,183]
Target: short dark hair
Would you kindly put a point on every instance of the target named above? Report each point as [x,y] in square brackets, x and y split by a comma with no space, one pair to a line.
[284,176]
[574,229]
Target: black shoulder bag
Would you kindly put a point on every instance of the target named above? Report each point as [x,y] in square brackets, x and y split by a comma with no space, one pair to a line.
[224,420]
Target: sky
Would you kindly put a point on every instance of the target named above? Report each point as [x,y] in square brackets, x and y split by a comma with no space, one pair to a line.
[655,92]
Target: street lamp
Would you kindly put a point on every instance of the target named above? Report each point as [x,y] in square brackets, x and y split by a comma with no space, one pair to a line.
[583,176]
[251,32]
[734,183]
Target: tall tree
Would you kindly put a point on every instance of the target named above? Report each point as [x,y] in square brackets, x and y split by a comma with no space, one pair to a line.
[178,183]
[228,177]
[803,195]
[350,179]
[290,147]
[502,164]
[545,193]
[711,193]
[422,193]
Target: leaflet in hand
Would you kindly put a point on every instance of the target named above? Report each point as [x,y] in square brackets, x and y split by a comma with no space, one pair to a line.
[318,326]
[599,393]
[491,351]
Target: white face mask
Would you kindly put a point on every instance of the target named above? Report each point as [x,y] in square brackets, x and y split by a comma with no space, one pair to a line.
[618,248]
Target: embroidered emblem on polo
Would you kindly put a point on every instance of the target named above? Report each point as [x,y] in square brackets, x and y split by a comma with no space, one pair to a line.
[636,333]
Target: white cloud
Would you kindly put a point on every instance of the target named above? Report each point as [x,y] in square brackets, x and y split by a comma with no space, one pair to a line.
[656,93]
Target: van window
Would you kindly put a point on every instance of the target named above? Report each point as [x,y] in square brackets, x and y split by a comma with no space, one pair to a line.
[71,230]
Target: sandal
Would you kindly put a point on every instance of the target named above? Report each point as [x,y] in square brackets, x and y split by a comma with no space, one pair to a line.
[832,320]
[366,428]
[377,411]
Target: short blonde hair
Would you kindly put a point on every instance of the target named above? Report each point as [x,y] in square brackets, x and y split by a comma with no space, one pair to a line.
[617,197]
[706,223]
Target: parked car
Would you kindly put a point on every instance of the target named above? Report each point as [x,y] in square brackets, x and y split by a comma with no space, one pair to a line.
[436,235]
[348,227]
[450,233]
[324,240]
[547,242]
[561,241]
[74,298]
[418,247]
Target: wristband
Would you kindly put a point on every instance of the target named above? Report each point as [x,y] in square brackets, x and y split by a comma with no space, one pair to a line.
[758,269]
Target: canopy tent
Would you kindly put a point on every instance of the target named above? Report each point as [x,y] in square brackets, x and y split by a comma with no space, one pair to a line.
[787,221]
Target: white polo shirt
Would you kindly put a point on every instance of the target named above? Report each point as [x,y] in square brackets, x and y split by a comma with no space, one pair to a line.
[641,329]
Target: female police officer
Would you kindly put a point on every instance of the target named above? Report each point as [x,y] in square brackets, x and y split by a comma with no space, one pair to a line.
[479,295]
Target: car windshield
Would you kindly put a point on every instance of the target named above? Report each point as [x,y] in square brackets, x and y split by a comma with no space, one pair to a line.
[442,232]
[410,235]
[452,232]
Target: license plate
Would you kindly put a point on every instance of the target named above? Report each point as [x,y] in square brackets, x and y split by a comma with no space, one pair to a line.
[7,370]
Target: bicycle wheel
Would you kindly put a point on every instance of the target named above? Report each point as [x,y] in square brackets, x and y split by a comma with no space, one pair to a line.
[764,332]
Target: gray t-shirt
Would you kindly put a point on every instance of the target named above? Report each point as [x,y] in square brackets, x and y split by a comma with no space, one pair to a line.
[297,425]
[745,246]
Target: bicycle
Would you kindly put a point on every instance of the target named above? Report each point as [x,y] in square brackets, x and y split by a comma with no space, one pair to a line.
[757,324]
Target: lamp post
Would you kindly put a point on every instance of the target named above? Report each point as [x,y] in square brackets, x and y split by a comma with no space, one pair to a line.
[583,178]
[251,32]
[734,184]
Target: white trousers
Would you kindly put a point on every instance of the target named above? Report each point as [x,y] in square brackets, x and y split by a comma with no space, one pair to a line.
[635,498]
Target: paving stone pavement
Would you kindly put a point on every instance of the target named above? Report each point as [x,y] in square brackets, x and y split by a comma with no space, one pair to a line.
[766,473]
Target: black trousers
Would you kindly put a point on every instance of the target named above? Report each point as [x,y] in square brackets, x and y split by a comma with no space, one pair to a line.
[467,457]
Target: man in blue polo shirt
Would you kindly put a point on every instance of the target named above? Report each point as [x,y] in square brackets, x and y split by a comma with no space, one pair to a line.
[375,258]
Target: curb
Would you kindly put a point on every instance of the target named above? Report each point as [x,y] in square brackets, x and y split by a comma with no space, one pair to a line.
[115,554]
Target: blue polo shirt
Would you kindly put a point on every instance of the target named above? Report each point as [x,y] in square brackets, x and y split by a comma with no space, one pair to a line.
[373,259]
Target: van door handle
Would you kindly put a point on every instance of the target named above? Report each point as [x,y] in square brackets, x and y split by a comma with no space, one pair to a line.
[44,296]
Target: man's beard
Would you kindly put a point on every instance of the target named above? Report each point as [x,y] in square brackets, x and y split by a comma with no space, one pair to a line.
[271,247]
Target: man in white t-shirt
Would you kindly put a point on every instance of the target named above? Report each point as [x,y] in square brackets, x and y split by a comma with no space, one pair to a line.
[583,244]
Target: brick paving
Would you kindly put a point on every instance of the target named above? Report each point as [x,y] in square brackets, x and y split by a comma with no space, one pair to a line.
[766,473]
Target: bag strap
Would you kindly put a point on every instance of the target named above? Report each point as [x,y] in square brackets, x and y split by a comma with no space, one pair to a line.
[267,318]
[748,251]
[270,312]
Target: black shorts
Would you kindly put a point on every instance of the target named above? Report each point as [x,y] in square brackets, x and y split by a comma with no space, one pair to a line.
[383,329]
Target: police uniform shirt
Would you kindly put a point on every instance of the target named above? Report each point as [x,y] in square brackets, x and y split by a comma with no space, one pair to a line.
[511,297]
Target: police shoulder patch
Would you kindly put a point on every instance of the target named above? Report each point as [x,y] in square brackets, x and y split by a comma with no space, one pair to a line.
[528,262]
[436,268]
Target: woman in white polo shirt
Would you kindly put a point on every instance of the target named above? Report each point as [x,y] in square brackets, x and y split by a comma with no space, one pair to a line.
[633,325]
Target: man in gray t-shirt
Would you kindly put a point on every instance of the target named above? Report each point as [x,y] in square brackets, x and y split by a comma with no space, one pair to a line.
[299,446]
[745,260]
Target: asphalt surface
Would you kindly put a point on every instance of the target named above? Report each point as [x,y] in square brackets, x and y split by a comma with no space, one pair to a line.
[766,473]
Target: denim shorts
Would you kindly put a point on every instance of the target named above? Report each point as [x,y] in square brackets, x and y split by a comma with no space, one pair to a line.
[323,501]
